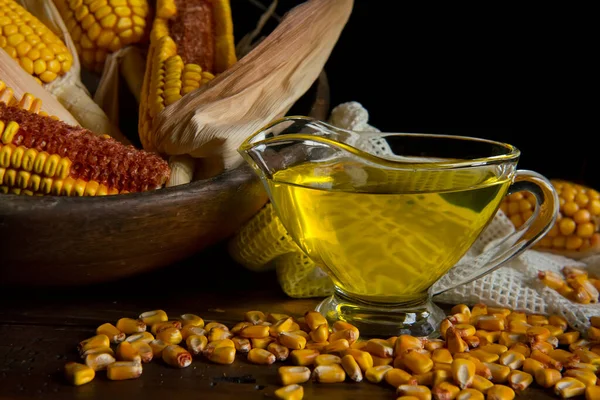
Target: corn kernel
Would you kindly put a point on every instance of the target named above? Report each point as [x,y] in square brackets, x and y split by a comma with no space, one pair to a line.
[580,344]
[592,393]
[218,333]
[445,391]
[262,343]
[126,352]
[130,326]
[440,376]
[363,358]
[293,375]
[569,387]
[191,319]
[499,372]
[274,317]
[314,319]
[587,356]
[261,356]
[463,372]
[587,377]
[157,347]
[99,361]
[144,350]
[434,344]
[425,379]
[255,317]
[350,335]
[460,309]
[442,356]
[290,392]
[469,394]
[283,325]
[481,384]
[78,374]
[93,342]
[122,370]
[485,356]
[521,348]
[454,342]
[352,368]
[500,392]
[170,335]
[465,330]
[320,334]
[326,359]
[115,336]
[242,345]
[214,324]
[222,355]
[337,346]
[419,391]
[333,373]
[255,332]
[558,321]
[291,341]
[196,343]
[377,374]
[519,380]
[190,330]
[417,362]
[316,346]
[152,317]
[382,360]
[303,357]
[160,326]
[97,350]
[547,377]
[512,359]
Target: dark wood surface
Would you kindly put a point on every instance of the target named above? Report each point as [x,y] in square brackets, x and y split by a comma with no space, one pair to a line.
[40,328]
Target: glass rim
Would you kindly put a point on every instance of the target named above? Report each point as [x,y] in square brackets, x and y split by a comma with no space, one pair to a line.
[512,153]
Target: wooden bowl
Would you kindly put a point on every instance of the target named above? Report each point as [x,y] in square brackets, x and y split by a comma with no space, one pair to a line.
[65,241]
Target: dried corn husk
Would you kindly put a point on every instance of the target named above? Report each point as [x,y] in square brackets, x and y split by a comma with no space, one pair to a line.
[215,119]
[68,89]
[129,62]
[17,79]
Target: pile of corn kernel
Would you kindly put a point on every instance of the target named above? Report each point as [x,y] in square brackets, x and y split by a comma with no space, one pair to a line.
[483,352]
[575,284]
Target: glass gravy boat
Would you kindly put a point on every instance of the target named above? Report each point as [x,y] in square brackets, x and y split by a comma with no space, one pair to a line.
[387,215]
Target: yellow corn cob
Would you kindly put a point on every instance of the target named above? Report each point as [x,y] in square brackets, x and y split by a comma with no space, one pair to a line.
[191,41]
[37,49]
[576,229]
[33,35]
[100,27]
[40,155]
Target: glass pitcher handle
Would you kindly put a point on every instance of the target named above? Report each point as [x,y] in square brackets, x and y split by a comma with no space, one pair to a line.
[544,216]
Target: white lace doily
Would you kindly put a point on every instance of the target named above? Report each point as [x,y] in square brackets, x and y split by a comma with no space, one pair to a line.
[515,285]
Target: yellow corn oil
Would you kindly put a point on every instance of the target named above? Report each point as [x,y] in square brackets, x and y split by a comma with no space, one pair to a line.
[385,235]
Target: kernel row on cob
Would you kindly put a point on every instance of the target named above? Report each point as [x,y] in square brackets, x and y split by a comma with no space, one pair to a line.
[483,352]
[101,27]
[41,53]
[574,284]
[41,155]
[576,231]
[191,41]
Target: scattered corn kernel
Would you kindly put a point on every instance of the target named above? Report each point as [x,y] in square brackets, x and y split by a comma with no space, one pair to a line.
[500,392]
[78,374]
[569,387]
[519,380]
[126,352]
[333,373]
[196,344]
[290,392]
[326,359]
[419,391]
[144,350]
[376,374]
[463,372]
[130,326]
[547,377]
[293,375]
[445,391]
[115,336]
[152,317]
[352,368]
[242,345]
[470,394]
[178,357]
[157,347]
[170,335]
[122,370]
[191,319]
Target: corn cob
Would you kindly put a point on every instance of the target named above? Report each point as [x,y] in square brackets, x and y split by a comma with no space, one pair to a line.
[37,49]
[576,231]
[33,37]
[191,41]
[41,155]
[100,27]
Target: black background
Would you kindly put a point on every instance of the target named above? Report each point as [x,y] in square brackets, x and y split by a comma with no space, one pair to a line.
[486,72]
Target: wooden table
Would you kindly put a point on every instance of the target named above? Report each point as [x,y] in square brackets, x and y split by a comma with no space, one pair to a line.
[39,330]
